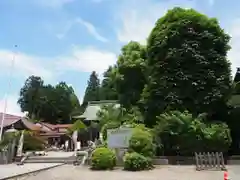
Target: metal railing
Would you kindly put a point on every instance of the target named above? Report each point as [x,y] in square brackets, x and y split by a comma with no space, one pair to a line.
[210,161]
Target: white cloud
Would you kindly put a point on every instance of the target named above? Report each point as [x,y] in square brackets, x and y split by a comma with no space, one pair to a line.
[12,106]
[137,19]
[52,3]
[87,60]
[79,59]
[92,30]
[211,2]
[24,65]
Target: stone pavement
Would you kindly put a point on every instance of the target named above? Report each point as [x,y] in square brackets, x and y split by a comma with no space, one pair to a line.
[69,172]
[11,170]
[58,154]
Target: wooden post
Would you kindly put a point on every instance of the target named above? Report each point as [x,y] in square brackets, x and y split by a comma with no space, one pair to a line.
[210,160]
[204,161]
[214,159]
[222,162]
[197,162]
[201,160]
[218,160]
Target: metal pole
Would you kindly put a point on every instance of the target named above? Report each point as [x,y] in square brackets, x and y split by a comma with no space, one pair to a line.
[6,95]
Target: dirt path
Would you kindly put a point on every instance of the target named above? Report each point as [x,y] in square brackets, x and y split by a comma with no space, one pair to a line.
[69,172]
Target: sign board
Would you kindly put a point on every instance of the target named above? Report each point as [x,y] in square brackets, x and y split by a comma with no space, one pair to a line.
[119,138]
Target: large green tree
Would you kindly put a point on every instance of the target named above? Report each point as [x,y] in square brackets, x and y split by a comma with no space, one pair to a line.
[188,66]
[131,69]
[29,95]
[53,104]
[92,92]
[108,86]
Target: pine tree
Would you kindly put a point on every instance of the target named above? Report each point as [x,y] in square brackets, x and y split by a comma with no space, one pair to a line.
[92,92]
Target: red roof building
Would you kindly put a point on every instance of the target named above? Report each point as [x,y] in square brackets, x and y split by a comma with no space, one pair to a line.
[17,122]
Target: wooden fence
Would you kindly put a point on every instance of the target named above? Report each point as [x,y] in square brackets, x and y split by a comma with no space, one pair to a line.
[210,161]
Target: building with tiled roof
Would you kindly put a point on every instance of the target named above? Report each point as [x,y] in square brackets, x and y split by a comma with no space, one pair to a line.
[93,107]
[17,122]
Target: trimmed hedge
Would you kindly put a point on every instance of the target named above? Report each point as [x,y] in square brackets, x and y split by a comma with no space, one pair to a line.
[142,143]
[137,162]
[103,159]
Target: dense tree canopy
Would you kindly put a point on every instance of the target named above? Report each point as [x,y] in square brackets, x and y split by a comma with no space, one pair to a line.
[131,69]
[108,86]
[53,104]
[187,63]
[29,94]
[92,92]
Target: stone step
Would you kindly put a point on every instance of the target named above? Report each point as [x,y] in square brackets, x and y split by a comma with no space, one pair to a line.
[49,158]
[46,159]
[49,161]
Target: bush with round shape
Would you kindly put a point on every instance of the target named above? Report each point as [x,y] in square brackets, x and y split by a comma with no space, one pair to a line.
[142,143]
[103,159]
[137,162]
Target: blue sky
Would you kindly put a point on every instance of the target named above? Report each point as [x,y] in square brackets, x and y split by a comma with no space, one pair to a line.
[64,40]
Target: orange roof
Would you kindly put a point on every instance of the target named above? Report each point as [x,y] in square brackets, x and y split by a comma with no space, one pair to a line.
[30,125]
[56,126]
[52,134]
[62,125]
[51,126]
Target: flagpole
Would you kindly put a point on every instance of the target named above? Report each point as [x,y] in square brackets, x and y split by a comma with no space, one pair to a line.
[6,95]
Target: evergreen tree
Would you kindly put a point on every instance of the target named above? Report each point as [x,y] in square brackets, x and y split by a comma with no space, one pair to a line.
[92,92]
[108,86]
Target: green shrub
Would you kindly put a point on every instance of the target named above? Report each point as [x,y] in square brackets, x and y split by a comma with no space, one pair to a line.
[104,144]
[33,142]
[137,162]
[103,159]
[7,138]
[183,133]
[142,143]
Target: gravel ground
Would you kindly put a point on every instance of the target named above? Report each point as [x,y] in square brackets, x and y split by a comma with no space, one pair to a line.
[69,172]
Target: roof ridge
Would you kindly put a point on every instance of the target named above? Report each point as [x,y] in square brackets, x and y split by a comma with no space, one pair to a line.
[10,114]
[102,102]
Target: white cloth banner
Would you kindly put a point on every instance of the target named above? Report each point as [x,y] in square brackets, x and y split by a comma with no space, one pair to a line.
[20,144]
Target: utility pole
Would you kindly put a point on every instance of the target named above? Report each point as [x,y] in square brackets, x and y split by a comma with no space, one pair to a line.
[6,95]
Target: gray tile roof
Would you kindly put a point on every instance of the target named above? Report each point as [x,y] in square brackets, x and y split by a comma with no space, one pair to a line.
[90,114]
